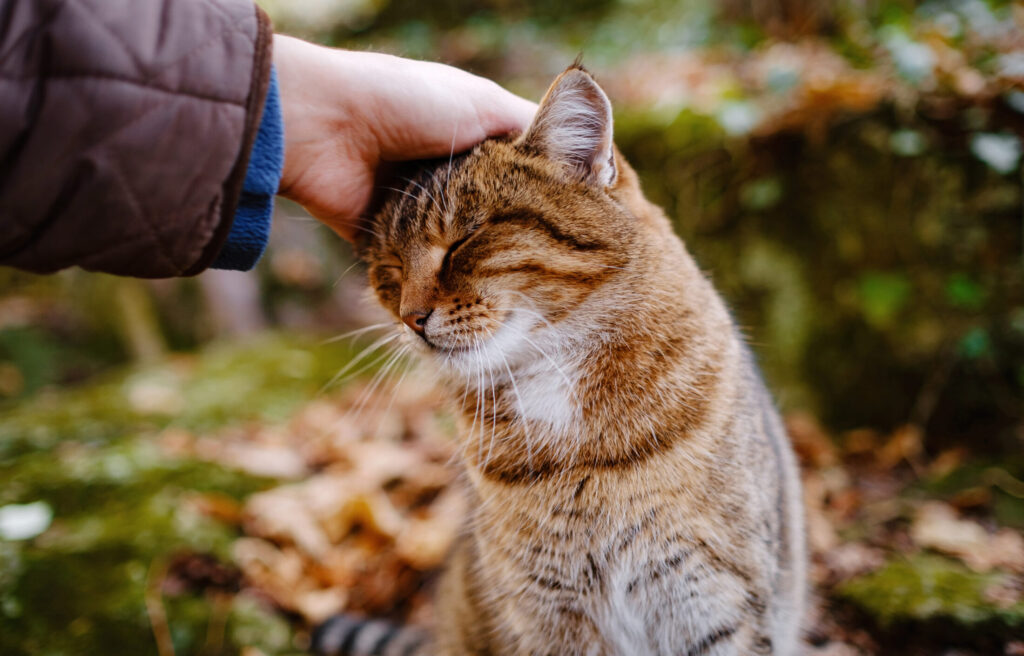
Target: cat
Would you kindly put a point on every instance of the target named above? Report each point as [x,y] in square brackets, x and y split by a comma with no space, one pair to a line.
[632,489]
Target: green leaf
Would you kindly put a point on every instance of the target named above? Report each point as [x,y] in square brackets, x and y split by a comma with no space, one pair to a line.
[883,295]
[962,291]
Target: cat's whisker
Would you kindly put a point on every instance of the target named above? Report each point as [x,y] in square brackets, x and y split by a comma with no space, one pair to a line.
[371,362]
[522,333]
[357,331]
[494,417]
[540,316]
[481,399]
[494,421]
[378,378]
[448,173]
[367,230]
[465,388]
[451,151]
[527,299]
[426,191]
[401,191]
[372,348]
[522,408]
[446,210]
[402,202]
[476,408]
[346,272]
[410,366]
[393,358]
[415,199]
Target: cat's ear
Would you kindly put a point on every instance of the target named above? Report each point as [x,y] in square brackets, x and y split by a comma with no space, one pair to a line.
[573,126]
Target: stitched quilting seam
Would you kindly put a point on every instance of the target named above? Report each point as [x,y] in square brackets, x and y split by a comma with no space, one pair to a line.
[231,189]
[142,81]
[215,39]
[147,83]
[126,80]
[161,248]
[146,220]
[179,270]
[36,28]
[183,56]
[86,9]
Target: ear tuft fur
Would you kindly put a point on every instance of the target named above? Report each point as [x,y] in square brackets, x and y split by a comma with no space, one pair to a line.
[574,127]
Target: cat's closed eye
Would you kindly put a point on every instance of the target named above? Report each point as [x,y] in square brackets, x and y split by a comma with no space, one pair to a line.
[456,244]
[453,248]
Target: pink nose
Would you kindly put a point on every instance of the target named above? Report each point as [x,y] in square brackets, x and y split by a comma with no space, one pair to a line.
[417,320]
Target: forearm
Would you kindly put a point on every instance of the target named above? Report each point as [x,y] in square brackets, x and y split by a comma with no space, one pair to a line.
[131,155]
[126,158]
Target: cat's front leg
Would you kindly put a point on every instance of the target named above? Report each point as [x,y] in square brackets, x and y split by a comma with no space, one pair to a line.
[750,635]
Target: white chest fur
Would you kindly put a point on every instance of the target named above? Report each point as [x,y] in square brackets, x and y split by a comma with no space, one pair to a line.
[546,394]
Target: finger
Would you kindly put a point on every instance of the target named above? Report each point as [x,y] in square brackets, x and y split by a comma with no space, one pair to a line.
[504,112]
[432,110]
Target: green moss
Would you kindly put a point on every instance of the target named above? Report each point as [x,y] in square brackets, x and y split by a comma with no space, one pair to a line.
[263,379]
[999,478]
[120,503]
[78,588]
[928,587]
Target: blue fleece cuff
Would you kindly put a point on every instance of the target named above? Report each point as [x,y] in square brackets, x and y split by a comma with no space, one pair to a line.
[251,227]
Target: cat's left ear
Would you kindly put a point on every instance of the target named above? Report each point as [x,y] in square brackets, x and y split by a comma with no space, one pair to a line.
[573,126]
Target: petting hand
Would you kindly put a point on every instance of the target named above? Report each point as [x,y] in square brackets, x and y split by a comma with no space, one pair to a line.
[346,112]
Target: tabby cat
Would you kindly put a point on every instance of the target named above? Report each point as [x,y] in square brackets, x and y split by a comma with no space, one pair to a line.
[632,488]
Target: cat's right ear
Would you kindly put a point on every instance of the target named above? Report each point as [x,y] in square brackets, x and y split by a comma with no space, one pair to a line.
[573,126]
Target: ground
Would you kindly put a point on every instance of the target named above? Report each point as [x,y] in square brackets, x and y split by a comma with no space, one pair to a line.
[225,502]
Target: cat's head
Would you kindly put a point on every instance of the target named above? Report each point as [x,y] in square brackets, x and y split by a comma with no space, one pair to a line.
[523,245]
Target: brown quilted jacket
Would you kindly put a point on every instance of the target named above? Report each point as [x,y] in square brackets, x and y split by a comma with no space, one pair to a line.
[125,130]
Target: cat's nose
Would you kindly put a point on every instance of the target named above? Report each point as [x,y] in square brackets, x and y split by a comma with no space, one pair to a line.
[417,320]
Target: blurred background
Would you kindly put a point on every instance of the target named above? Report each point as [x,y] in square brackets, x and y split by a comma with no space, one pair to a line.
[196,467]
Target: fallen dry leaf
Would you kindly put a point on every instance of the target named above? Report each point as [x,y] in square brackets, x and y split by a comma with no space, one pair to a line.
[938,526]
[813,446]
[368,508]
[370,512]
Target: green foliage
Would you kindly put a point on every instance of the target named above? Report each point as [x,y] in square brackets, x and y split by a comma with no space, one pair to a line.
[862,273]
[882,296]
[1000,481]
[927,587]
[121,503]
[263,379]
[119,507]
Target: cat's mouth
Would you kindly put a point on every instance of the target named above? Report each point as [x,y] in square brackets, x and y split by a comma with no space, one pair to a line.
[458,347]
[459,341]
[440,344]
[492,347]
[447,349]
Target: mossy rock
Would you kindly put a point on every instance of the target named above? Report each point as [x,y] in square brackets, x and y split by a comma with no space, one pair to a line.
[935,597]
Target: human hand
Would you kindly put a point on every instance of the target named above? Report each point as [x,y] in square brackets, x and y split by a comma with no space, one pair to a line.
[346,112]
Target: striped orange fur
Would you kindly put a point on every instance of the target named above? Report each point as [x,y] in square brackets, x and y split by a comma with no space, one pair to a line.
[632,488]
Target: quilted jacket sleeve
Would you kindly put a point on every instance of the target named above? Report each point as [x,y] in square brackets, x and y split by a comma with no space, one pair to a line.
[125,130]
